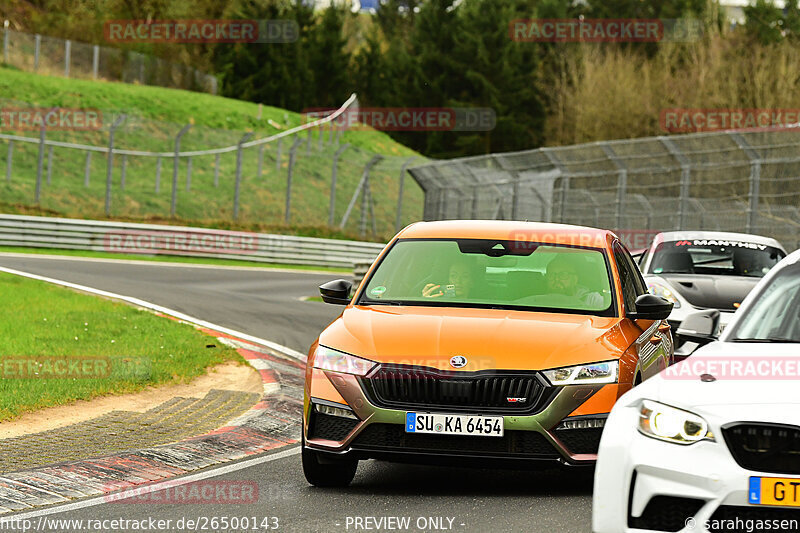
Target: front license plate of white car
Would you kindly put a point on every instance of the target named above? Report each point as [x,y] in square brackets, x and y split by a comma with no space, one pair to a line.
[779,491]
[483,426]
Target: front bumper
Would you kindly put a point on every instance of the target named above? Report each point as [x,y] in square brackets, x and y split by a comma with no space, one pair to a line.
[642,484]
[379,433]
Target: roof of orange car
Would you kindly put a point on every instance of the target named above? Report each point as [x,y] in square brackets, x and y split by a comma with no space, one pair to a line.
[509,230]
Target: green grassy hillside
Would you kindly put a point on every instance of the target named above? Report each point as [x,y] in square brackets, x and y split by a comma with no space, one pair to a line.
[155,115]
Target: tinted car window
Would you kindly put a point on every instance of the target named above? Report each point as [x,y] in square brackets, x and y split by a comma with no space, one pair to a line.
[775,314]
[703,256]
[631,279]
[474,272]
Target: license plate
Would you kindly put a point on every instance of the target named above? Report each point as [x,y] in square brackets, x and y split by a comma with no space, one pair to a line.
[484,426]
[781,491]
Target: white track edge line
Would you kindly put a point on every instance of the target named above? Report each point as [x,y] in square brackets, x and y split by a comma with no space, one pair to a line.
[285,350]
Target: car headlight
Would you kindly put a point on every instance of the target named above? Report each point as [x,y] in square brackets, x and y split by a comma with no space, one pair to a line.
[591,374]
[328,359]
[671,424]
[663,290]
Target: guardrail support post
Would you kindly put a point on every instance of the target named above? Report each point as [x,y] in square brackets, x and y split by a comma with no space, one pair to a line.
[332,204]
[8,160]
[87,169]
[37,45]
[292,156]
[188,174]
[239,173]
[216,170]
[174,202]
[110,162]
[398,219]
[95,61]
[40,161]
[364,177]
[67,53]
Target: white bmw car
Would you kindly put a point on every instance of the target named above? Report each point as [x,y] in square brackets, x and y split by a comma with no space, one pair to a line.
[713,443]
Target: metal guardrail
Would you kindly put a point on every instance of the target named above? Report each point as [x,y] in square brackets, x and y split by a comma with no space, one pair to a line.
[153,239]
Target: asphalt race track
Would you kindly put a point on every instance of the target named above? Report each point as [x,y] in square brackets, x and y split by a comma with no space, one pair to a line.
[266,304]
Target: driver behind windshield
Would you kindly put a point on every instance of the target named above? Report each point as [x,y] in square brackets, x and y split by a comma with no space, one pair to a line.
[461,281]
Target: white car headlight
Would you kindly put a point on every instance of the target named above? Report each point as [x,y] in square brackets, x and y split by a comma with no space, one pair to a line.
[591,374]
[661,289]
[328,359]
[671,424]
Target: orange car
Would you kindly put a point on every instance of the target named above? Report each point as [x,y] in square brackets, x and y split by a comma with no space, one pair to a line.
[480,342]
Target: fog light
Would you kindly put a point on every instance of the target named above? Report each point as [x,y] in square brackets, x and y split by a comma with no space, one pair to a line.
[582,423]
[334,411]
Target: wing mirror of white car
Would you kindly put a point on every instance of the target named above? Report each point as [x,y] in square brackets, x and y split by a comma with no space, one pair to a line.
[336,292]
[651,307]
[700,327]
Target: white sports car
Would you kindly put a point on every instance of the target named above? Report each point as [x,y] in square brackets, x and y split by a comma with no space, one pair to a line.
[713,443]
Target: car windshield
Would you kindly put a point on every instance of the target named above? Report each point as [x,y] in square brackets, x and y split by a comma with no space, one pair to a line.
[490,273]
[702,256]
[775,313]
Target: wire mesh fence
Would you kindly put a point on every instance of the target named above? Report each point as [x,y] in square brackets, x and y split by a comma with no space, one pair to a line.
[728,181]
[71,59]
[309,175]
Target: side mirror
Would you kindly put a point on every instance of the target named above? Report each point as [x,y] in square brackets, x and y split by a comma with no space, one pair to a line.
[700,327]
[336,292]
[651,307]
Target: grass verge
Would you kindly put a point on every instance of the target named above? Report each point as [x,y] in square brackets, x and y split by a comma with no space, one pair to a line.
[58,346]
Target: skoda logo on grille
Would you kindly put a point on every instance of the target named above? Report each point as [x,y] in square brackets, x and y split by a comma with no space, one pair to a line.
[458,361]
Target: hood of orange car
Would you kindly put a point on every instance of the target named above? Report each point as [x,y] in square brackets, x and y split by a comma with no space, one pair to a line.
[488,338]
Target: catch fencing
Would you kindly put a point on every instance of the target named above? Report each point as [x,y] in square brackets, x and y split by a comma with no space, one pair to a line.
[312,174]
[72,59]
[727,181]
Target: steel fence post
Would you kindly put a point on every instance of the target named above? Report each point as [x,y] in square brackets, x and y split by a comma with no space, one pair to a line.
[188,174]
[216,170]
[755,180]
[67,53]
[95,61]
[364,177]
[5,42]
[123,172]
[175,162]
[400,186]
[332,200]
[279,154]
[37,40]
[622,185]
[308,143]
[110,162]
[87,168]
[287,215]
[40,161]
[238,182]
[683,201]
